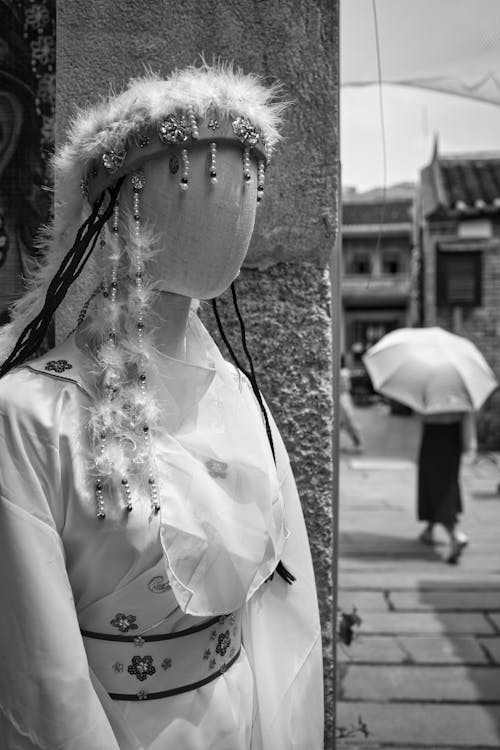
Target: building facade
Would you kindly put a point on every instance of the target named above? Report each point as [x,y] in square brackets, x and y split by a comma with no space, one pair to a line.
[458,236]
[377,240]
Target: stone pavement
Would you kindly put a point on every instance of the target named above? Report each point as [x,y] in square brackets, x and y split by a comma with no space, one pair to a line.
[424,671]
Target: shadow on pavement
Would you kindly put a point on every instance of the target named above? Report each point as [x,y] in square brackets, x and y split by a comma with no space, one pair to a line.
[481,604]
[364,544]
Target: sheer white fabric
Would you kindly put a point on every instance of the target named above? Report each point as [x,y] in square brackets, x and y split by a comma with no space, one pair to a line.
[219,534]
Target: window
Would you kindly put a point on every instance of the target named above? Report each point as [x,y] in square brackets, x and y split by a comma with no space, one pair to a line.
[459,279]
[359,263]
[392,263]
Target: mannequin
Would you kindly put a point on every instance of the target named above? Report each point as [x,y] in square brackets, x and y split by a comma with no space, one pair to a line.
[148,512]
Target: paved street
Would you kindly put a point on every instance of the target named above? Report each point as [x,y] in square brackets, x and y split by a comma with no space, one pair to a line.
[424,671]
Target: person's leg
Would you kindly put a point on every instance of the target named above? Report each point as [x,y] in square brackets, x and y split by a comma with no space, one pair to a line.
[458,542]
[427,535]
[347,424]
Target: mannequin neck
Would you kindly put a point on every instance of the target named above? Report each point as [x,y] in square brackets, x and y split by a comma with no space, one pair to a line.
[171,316]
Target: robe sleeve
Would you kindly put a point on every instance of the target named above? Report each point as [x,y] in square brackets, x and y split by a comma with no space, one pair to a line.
[47,701]
[282,637]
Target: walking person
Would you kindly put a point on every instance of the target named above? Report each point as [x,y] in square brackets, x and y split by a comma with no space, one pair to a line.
[445,437]
[347,422]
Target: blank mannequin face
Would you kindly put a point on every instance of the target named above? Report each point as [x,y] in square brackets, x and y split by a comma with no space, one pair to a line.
[205,231]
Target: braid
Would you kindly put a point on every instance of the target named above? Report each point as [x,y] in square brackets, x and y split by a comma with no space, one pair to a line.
[71,267]
[252,378]
[226,341]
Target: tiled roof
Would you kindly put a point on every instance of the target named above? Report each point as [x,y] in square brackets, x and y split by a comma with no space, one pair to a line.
[471,180]
[373,212]
[467,184]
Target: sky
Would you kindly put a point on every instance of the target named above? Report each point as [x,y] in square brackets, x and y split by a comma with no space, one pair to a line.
[412,119]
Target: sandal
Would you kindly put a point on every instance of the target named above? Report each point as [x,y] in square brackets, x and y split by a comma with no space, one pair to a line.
[457,547]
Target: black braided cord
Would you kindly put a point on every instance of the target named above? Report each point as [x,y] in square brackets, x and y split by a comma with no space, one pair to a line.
[71,267]
[252,378]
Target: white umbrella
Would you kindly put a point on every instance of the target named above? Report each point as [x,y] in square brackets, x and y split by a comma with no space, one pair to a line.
[430,370]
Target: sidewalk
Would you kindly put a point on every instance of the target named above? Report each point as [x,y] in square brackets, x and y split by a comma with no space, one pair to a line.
[424,671]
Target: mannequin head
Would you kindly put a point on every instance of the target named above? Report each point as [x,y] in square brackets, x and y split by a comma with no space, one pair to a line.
[203,232]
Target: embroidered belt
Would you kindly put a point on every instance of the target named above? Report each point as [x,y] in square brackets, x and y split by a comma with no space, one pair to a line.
[147,667]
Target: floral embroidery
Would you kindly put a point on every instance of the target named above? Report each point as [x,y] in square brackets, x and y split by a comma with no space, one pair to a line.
[211,664]
[216,469]
[58,365]
[166,663]
[213,125]
[123,622]
[159,585]
[232,619]
[142,695]
[36,16]
[142,667]
[206,654]
[117,667]
[223,643]
[139,641]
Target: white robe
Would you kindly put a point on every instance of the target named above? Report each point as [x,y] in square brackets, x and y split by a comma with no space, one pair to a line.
[60,567]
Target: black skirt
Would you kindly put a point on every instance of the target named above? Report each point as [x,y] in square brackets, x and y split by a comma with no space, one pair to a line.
[439,498]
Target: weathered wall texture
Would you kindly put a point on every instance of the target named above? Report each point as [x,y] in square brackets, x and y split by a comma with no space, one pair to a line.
[288,329]
[284,292]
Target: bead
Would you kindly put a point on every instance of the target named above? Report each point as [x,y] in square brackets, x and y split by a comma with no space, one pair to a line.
[213,161]
[192,122]
[185,169]
[246,164]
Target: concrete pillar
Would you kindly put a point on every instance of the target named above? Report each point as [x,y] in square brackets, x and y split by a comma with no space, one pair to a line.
[284,287]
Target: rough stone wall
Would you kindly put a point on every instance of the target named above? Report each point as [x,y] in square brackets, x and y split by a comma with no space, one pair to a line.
[288,330]
[284,292]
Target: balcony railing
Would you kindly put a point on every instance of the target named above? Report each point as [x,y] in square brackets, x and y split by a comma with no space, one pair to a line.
[392,286]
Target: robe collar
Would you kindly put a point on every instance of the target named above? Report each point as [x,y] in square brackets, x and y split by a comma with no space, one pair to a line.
[180,384]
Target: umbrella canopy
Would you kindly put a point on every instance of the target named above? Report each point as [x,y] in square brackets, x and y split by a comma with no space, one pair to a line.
[430,370]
